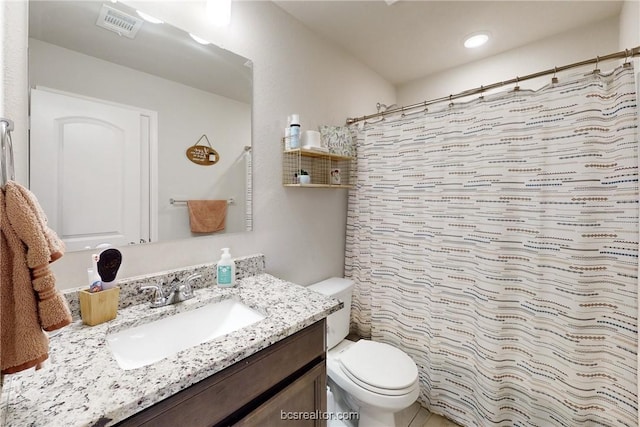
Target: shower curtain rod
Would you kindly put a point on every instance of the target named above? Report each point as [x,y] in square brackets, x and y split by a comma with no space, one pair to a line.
[626,54]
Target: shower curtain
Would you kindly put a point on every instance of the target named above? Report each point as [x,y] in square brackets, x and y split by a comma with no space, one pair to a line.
[496,242]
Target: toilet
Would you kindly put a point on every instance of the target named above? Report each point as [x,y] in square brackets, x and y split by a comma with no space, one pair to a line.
[375,379]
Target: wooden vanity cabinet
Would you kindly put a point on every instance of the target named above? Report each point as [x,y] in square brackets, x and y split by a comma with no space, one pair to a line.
[278,386]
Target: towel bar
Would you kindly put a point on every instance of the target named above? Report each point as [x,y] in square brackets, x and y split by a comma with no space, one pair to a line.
[230,201]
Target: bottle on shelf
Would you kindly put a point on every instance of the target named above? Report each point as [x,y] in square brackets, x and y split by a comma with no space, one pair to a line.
[294,137]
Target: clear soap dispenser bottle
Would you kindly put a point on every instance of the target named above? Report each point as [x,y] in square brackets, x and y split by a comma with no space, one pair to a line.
[226,270]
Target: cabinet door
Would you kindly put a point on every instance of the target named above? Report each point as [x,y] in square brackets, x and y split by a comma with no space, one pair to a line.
[303,403]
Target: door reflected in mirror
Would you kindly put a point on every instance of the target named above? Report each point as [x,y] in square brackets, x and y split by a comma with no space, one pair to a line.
[113,118]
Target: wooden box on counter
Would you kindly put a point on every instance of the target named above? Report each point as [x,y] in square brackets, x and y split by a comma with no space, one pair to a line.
[99,307]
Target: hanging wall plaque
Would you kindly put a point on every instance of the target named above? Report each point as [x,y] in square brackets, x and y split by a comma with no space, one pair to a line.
[203,155]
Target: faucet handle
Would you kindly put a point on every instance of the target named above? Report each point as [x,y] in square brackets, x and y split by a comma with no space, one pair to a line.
[159,299]
[189,280]
[186,288]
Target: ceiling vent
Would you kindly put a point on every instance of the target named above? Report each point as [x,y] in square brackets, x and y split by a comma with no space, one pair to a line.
[118,22]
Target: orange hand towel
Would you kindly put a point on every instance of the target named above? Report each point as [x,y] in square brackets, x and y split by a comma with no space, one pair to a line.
[207,216]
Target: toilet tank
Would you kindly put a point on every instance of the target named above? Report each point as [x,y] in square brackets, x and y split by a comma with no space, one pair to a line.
[338,322]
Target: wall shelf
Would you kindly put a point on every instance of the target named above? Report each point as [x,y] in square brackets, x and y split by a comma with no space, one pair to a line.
[315,153]
[323,168]
[319,185]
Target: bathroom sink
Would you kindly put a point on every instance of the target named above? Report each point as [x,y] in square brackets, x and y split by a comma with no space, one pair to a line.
[148,343]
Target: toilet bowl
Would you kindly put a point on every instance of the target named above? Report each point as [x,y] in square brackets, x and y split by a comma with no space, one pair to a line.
[375,379]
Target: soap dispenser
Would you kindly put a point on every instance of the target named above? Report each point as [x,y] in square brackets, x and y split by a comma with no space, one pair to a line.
[226,270]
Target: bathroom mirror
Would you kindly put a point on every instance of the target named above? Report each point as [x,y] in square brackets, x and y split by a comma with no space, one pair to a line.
[91,63]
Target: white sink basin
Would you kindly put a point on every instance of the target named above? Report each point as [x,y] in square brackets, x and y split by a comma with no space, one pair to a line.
[146,344]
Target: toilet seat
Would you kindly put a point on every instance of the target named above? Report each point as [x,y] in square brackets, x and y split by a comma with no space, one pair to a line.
[379,368]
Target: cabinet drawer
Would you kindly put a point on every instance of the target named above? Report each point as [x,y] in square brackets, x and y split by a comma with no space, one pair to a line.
[303,403]
[226,393]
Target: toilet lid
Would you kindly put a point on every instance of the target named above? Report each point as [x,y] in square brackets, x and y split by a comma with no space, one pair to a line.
[379,367]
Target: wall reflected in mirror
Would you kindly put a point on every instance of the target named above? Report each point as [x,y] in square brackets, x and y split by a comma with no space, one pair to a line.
[114,111]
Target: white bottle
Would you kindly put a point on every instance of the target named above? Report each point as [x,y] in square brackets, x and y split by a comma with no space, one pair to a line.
[95,282]
[294,138]
[287,138]
[226,270]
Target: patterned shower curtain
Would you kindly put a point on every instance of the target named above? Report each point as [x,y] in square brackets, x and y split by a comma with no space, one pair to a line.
[496,242]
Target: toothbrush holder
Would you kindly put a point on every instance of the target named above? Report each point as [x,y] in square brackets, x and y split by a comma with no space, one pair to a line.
[99,307]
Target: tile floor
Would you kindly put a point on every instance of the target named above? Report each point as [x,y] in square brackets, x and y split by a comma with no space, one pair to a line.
[417,416]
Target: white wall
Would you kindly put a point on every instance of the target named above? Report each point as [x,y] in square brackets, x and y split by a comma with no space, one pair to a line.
[573,46]
[184,115]
[630,25]
[630,29]
[13,87]
[301,231]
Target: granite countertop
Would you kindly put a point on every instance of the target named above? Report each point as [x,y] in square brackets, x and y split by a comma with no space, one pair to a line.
[82,384]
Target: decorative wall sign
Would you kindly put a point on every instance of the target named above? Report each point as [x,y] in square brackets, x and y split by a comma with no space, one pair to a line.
[203,155]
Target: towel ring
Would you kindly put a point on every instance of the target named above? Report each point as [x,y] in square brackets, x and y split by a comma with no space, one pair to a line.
[6,151]
[626,64]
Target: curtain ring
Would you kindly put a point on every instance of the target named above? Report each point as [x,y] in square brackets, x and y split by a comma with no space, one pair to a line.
[450,101]
[426,109]
[481,97]
[626,64]
[597,70]
[554,79]
[403,114]
[517,88]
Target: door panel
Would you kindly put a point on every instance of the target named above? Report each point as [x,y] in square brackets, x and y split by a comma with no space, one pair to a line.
[85,160]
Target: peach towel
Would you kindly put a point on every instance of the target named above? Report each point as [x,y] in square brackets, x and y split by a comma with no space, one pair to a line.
[207,216]
[29,300]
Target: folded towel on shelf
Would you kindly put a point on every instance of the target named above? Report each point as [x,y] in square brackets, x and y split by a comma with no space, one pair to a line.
[29,300]
[207,216]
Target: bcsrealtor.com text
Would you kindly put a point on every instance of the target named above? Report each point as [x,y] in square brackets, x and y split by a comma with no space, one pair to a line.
[317,415]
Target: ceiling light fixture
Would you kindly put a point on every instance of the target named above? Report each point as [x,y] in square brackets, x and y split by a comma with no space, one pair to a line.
[219,12]
[476,40]
[199,39]
[149,18]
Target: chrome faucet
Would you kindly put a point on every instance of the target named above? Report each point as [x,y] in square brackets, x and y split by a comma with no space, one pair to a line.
[178,291]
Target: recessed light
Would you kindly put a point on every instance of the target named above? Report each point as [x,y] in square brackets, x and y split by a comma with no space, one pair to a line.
[476,40]
[149,18]
[219,12]
[199,39]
